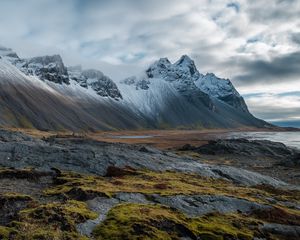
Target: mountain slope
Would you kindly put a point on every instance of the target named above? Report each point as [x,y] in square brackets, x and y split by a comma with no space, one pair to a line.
[43,93]
[26,101]
[170,94]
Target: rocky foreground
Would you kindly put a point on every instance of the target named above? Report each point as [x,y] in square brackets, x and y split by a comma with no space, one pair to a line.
[67,187]
[263,156]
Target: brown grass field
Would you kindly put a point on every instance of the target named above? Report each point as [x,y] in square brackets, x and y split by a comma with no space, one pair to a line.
[162,139]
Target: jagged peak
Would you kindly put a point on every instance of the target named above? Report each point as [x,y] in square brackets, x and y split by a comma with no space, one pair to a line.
[46,59]
[162,62]
[211,75]
[185,59]
[186,62]
[214,76]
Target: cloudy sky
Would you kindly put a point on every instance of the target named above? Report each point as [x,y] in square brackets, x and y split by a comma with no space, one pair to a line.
[255,43]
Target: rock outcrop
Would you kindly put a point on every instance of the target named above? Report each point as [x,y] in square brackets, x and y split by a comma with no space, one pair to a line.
[95,80]
[49,68]
[252,148]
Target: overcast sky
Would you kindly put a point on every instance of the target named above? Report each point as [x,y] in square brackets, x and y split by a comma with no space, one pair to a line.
[255,43]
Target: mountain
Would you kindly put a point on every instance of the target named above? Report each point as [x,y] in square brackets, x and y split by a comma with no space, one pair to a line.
[177,95]
[27,100]
[43,93]
[96,80]
[222,89]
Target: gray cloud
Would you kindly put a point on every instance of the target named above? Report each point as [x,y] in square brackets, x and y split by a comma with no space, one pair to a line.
[249,41]
[295,37]
[273,11]
[280,68]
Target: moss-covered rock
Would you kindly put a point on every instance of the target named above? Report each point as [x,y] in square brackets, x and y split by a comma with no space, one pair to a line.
[55,213]
[58,218]
[48,221]
[83,187]
[11,204]
[156,222]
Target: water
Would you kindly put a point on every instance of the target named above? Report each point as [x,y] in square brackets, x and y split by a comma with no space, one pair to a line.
[291,139]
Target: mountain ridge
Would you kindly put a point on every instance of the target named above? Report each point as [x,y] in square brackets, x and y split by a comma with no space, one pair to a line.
[166,95]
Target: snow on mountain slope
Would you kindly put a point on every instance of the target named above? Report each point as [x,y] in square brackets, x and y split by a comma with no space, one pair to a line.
[49,68]
[187,78]
[181,75]
[215,87]
[41,92]
[95,80]
[168,93]
[45,67]
[52,68]
[164,106]
[222,89]
[27,101]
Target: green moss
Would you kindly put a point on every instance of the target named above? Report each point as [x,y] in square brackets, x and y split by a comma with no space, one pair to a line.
[219,226]
[140,221]
[68,214]
[163,183]
[5,232]
[11,196]
[134,221]
[58,220]
[52,221]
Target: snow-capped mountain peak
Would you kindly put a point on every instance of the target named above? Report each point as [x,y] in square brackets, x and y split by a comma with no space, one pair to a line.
[164,95]
[222,89]
[185,62]
[49,68]
[186,78]
[95,80]
[215,86]
[163,61]
[183,69]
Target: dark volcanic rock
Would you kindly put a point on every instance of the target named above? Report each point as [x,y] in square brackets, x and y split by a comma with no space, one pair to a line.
[96,80]
[197,205]
[102,84]
[90,156]
[10,205]
[139,83]
[290,232]
[252,148]
[8,136]
[49,68]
